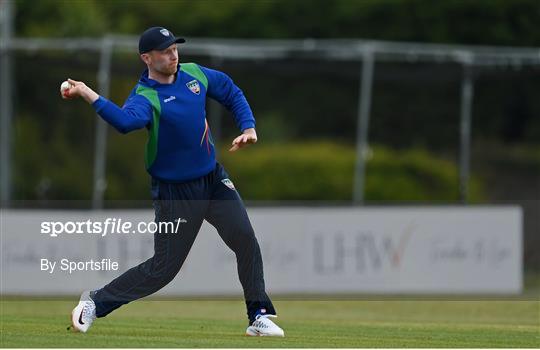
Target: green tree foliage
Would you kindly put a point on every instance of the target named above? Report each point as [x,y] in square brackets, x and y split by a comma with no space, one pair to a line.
[494,22]
[325,171]
[411,109]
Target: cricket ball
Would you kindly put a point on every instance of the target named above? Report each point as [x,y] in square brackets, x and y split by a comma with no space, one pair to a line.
[64,89]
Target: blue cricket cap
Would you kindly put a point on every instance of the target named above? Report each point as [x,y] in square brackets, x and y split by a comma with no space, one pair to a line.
[157,38]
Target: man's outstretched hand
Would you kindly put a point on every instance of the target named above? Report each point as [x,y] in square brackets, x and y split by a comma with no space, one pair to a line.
[79,89]
[248,137]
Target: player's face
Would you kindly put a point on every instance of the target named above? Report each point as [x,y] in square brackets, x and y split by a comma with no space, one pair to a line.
[164,61]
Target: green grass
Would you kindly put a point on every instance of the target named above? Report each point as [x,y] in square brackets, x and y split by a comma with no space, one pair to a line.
[392,323]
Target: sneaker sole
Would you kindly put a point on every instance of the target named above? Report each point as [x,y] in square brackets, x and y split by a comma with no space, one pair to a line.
[251,332]
[75,318]
[73,326]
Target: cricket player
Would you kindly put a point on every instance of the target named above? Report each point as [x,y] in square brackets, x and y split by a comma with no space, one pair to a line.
[187,182]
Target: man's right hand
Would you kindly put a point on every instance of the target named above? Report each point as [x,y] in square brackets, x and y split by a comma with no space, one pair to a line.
[78,88]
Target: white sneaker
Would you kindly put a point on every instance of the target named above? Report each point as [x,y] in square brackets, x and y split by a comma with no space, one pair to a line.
[263,326]
[84,313]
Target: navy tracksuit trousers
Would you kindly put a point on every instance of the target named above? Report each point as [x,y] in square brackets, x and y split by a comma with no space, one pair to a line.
[207,198]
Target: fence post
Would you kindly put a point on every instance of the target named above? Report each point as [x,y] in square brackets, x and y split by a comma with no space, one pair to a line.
[100,155]
[467,91]
[6,100]
[364,106]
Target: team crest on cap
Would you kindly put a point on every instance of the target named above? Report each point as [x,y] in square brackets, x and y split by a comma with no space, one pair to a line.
[194,87]
[164,32]
[228,183]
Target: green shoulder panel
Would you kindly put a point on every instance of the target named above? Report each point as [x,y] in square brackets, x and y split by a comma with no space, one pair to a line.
[195,71]
[151,145]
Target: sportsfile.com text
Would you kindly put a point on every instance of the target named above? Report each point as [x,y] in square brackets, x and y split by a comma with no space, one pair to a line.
[109,225]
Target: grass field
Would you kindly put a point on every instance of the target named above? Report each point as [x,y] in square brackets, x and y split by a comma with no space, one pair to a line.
[307,324]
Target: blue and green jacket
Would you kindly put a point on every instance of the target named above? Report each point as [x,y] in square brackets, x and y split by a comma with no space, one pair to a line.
[180,145]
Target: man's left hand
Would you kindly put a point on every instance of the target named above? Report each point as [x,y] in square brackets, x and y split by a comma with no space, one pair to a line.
[248,136]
